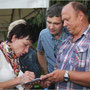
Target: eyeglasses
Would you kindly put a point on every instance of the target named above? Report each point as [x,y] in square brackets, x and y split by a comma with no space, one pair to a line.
[55,51]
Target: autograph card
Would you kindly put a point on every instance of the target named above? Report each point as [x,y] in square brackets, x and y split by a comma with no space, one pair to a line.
[33,82]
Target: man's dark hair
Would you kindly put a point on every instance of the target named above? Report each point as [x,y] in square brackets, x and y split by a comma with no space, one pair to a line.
[54,10]
[22,31]
[79,7]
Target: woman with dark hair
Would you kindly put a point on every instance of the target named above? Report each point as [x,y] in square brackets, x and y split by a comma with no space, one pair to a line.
[19,41]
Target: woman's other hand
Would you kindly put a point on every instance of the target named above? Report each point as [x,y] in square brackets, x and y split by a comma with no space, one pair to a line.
[27,77]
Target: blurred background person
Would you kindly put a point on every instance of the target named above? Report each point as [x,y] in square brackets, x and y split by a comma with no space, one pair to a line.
[29,62]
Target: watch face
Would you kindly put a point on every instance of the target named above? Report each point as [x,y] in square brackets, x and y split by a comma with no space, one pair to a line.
[66,76]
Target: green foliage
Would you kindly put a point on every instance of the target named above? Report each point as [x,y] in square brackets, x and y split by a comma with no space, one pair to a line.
[64,2]
[38,22]
[35,45]
[39,19]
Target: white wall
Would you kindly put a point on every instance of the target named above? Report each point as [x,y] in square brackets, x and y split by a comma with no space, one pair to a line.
[5,4]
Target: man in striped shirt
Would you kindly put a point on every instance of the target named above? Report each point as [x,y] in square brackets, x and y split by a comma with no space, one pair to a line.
[73,59]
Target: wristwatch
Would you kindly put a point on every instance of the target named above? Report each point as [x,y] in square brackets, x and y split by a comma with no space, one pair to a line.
[66,76]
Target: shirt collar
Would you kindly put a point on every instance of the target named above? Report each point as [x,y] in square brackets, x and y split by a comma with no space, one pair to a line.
[52,37]
[85,33]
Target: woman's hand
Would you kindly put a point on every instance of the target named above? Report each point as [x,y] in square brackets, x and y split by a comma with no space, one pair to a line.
[27,77]
[27,87]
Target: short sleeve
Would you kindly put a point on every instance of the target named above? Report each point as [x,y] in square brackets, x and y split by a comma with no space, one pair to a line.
[39,45]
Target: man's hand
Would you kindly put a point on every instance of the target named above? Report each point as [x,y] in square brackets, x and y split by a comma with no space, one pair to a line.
[44,83]
[55,76]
